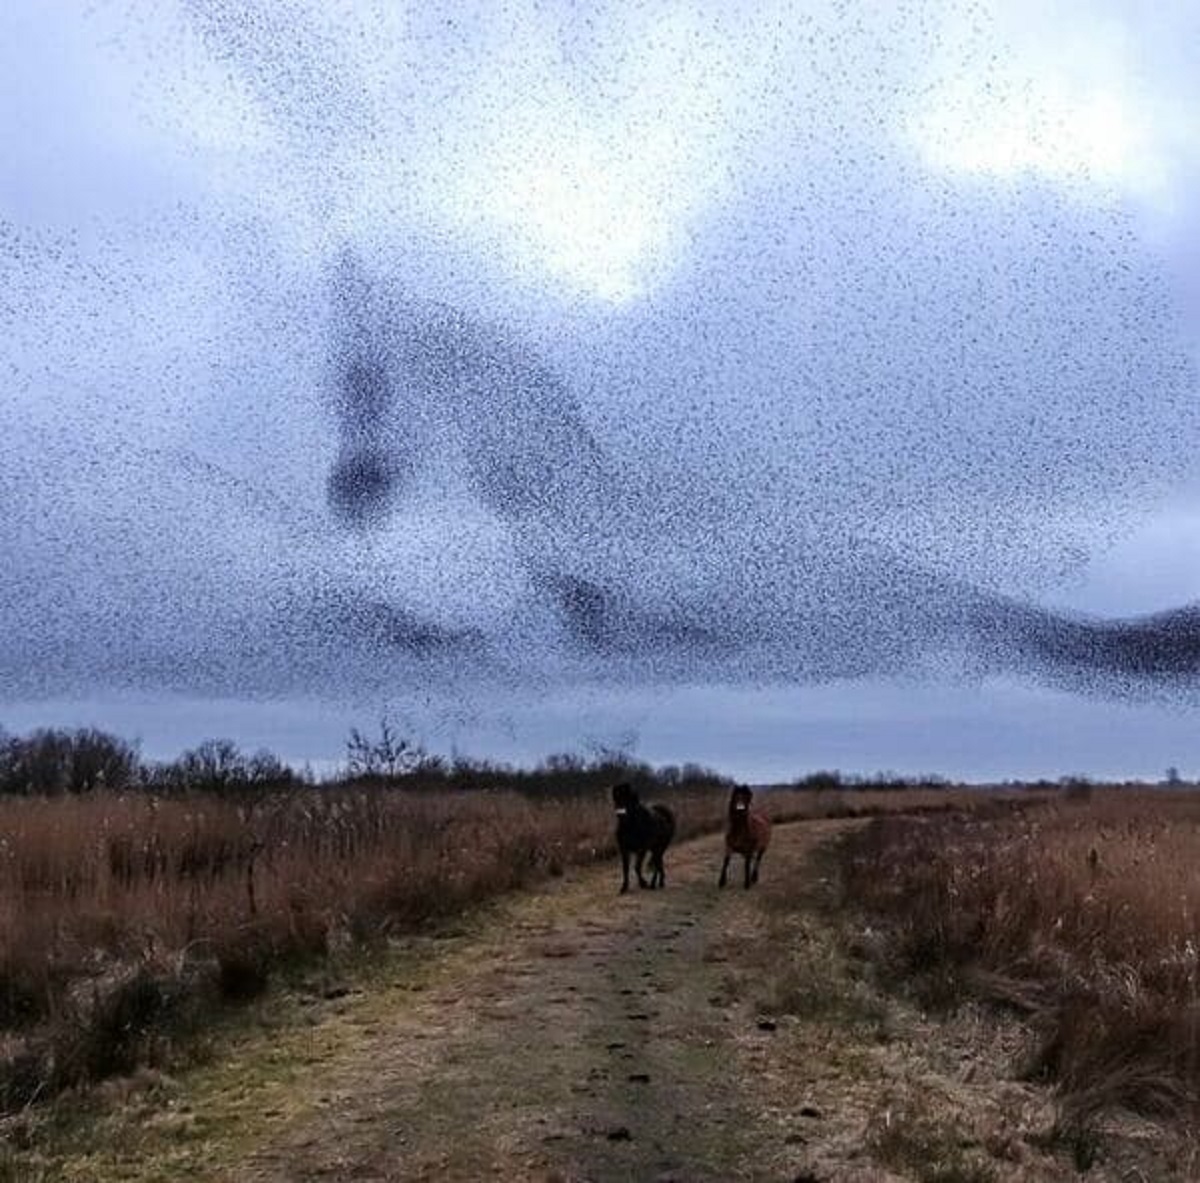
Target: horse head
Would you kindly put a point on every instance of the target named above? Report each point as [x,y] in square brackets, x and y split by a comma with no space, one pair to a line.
[624,798]
[739,801]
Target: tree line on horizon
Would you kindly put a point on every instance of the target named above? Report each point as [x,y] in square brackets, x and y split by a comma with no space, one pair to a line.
[50,761]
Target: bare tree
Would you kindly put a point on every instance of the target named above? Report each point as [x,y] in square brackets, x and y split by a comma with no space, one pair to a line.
[61,761]
[387,755]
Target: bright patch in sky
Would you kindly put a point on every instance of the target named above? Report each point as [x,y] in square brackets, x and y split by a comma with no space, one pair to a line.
[1029,127]
[585,215]
[593,173]
[1051,98]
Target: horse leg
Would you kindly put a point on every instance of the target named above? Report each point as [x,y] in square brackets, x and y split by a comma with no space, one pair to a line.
[724,871]
[749,858]
[757,865]
[637,866]
[662,869]
[624,869]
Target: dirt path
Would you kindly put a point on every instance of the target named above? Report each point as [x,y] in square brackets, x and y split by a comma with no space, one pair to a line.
[574,1034]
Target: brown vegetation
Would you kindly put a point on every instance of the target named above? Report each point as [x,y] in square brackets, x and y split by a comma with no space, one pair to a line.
[126,917]
[122,915]
[1082,913]
[137,898]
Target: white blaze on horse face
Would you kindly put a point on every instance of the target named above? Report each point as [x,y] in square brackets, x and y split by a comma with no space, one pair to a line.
[622,811]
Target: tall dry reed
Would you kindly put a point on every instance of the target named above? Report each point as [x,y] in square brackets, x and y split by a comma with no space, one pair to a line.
[125,918]
[1085,914]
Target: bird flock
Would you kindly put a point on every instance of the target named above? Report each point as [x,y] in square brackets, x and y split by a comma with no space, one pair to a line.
[328,386]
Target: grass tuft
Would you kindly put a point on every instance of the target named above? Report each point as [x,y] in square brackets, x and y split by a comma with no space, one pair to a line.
[1083,914]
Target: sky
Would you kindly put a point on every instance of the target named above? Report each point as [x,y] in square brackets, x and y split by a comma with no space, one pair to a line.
[803,389]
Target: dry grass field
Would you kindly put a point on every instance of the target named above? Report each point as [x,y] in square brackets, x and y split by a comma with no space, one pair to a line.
[1083,914]
[941,983]
[132,919]
[127,919]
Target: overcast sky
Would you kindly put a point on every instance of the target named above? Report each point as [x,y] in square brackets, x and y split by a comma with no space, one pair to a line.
[756,389]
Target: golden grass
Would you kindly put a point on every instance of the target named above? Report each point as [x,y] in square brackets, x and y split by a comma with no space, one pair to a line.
[126,917]
[1085,913]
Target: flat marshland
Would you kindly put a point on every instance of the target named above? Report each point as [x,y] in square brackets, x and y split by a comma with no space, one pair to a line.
[938,980]
[1082,914]
[127,919]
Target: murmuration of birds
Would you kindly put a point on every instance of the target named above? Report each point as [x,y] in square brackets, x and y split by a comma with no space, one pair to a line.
[553,345]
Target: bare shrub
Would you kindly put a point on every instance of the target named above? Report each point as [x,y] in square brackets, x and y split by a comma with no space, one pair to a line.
[220,766]
[386,755]
[61,761]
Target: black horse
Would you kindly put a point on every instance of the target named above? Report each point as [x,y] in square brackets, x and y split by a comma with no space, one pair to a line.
[642,831]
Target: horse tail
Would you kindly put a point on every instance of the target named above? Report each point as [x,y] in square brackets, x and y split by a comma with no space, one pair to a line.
[666,823]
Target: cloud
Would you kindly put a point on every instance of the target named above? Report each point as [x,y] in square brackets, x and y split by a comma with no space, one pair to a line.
[534,347]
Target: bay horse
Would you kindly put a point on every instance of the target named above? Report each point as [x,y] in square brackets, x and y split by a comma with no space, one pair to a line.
[641,831]
[748,833]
